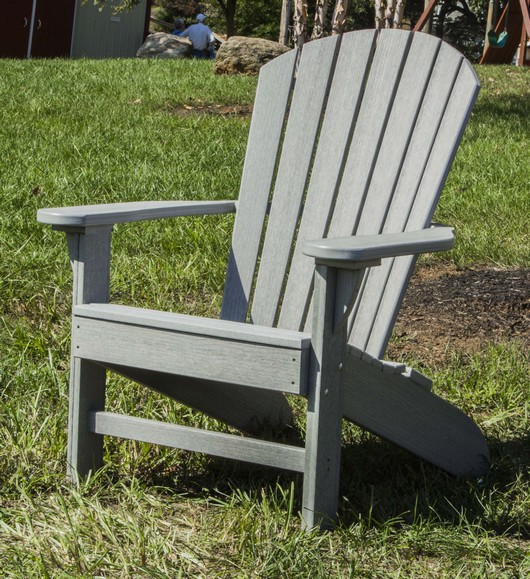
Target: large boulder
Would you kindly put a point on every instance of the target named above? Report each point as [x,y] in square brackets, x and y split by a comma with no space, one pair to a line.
[242,55]
[163,45]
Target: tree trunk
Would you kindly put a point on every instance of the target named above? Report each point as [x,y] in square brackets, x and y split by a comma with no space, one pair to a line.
[228,8]
[398,14]
[379,14]
[339,16]
[321,8]
[300,23]
[389,13]
[284,22]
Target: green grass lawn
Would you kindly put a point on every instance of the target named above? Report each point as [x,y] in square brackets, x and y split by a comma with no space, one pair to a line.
[75,132]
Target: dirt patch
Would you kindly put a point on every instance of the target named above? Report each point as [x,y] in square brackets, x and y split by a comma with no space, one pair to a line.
[447,309]
[211,110]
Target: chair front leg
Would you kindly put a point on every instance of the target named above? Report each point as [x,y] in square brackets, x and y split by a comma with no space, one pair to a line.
[324,406]
[87,394]
[89,250]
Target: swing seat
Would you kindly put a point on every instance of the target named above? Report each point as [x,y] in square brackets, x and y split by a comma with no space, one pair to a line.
[498,41]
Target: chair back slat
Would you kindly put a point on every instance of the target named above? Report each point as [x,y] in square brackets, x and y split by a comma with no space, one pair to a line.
[308,102]
[445,108]
[342,108]
[381,85]
[359,141]
[268,118]
[398,133]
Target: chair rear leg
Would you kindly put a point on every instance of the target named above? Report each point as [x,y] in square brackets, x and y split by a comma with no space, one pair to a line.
[87,394]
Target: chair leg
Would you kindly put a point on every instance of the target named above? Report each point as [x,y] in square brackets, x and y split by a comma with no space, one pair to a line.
[322,464]
[324,405]
[89,250]
[87,394]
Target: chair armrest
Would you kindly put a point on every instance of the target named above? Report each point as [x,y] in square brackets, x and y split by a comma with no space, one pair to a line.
[375,247]
[109,214]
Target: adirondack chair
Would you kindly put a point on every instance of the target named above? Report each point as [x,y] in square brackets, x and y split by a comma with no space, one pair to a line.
[349,147]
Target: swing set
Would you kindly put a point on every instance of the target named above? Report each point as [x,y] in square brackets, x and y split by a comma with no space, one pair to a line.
[504,34]
[494,39]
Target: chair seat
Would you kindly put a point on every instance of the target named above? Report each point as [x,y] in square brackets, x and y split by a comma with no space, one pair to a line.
[224,351]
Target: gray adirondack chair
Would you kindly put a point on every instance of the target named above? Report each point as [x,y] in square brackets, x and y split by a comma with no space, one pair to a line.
[349,148]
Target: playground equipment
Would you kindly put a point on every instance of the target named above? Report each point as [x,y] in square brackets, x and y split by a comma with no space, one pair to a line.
[503,36]
[510,32]
[494,39]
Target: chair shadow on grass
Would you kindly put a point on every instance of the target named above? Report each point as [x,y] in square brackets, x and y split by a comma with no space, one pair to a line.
[512,109]
[380,483]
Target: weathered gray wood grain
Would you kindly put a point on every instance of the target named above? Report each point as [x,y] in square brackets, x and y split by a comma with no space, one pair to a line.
[358,152]
[250,410]
[205,357]
[185,324]
[112,213]
[338,124]
[90,260]
[381,86]
[197,440]
[379,246]
[270,106]
[450,131]
[378,93]
[445,109]
[403,112]
[308,100]
[410,416]
[324,407]
[418,378]
[383,365]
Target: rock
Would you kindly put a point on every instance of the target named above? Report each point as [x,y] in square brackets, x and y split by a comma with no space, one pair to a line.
[163,45]
[242,55]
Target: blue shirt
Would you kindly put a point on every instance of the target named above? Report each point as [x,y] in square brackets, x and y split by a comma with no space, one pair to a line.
[200,36]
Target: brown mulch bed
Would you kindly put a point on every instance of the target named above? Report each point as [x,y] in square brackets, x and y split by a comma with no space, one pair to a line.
[447,309]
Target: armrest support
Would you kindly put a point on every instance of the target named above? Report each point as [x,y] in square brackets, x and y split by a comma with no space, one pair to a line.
[366,248]
[349,257]
[109,214]
[89,230]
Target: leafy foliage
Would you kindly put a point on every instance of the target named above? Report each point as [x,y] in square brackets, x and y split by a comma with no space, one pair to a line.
[462,24]
[171,9]
[259,18]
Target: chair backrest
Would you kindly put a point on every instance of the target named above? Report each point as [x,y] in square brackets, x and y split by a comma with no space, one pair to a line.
[355,138]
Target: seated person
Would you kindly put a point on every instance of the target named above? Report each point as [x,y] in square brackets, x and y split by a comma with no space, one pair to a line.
[180,26]
[201,37]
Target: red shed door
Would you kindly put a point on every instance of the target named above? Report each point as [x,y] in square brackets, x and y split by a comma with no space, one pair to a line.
[52,32]
[15,20]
